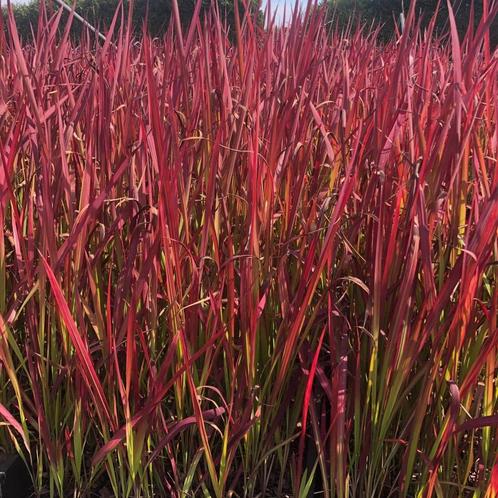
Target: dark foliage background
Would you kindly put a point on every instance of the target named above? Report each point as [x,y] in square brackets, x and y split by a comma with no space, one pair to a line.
[386,13]
[100,12]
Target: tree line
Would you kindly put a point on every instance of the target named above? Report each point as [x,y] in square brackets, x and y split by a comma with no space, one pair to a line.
[383,12]
[99,13]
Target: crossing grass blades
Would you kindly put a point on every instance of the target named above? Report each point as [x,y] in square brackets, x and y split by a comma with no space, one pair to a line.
[257,262]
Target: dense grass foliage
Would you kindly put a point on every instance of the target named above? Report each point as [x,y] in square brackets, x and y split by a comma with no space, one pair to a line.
[264,267]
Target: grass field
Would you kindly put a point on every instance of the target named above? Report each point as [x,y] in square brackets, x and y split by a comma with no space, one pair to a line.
[258,262]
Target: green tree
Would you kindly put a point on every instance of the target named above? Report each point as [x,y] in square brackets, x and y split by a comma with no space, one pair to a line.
[386,12]
[100,13]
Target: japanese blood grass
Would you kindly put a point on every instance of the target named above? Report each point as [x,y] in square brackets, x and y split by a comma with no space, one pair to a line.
[256,267]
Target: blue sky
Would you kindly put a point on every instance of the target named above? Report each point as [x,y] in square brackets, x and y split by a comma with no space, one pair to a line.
[279,5]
